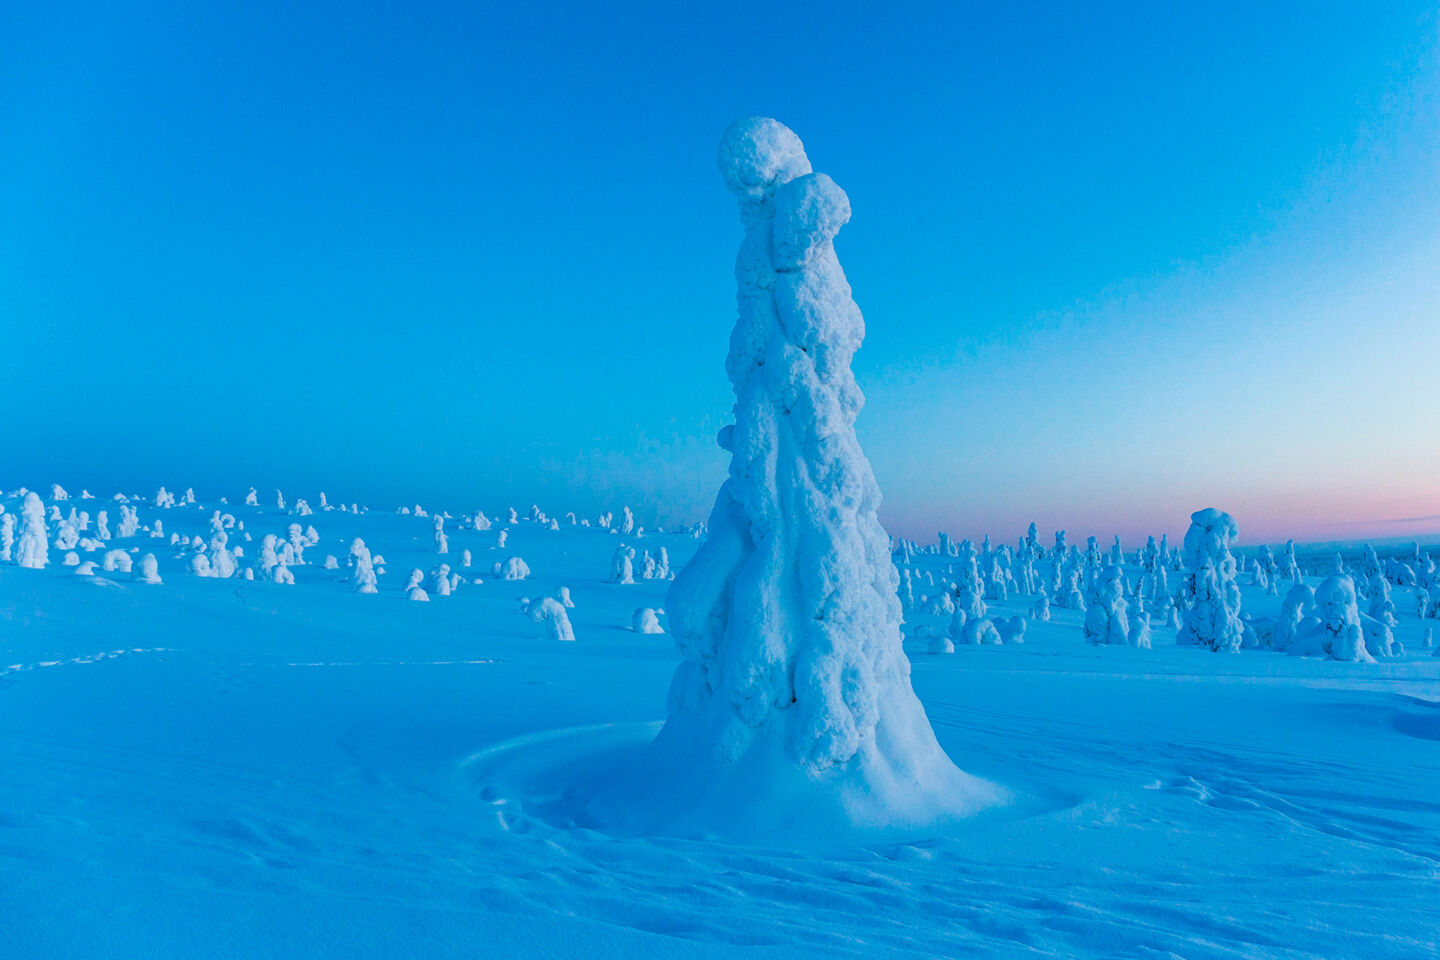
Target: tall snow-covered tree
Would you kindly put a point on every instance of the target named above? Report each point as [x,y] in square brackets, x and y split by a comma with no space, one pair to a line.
[794,687]
[1211,591]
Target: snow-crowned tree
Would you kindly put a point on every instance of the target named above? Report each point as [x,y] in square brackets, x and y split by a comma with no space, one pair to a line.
[442,543]
[794,682]
[1212,595]
[149,570]
[1344,637]
[222,561]
[551,616]
[364,577]
[1288,566]
[1298,603]
[33,551]
[1106,620]
[969,587]
[622,568]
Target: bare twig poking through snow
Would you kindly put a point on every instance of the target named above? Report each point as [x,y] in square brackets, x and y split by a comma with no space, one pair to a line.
[788,615]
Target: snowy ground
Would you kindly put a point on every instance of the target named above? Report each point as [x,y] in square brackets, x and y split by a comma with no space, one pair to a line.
[219,768]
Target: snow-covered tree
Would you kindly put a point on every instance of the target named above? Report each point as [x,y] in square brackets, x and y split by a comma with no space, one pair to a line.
[645,620]
[788,615]
[551,616]
[1106,620]
[33,551]
[1212,595]
[622,569]
[149,570]
[1343,636]
[364,576]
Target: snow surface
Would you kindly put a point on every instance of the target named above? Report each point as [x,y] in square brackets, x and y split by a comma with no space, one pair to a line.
[232,768]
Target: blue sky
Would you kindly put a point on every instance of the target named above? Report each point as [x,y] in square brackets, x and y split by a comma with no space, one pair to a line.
[1117,262]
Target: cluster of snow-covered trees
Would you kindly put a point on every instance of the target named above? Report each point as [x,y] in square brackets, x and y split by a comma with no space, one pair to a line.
[1194,590]
[221,546]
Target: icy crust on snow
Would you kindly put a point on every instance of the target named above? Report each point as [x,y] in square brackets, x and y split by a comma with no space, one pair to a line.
[794,699]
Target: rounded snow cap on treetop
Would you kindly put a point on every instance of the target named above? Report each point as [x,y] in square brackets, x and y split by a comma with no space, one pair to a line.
[758,154]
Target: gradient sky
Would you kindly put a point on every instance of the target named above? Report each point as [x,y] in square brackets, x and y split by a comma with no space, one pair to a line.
[1118,261]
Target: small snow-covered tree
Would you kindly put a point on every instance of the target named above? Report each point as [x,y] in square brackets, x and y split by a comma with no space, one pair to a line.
[622,568]
[1340,620]
[1106,620]
[1299,602]
[33,551]
[644,620]
[1212,595]
[149,570]
[7,537]
[551,616]
[442,543]
[969,587]
[364,575]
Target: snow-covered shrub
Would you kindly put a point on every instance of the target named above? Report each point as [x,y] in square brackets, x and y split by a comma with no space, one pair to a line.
[364,577]
[644,620]
[1041,610]
[57,492]
[1379,639]
[978,631]
[129,522]
[1288,567]
[33,551]
[102,526]
[116,561]
[71,559]
[550,615]
[513,569]
[149,571]
[268,557]
[1212,595]
[280,573]
[252,499]
[1339,616]
[1299,602]
[86,569]
[440,580]
[1012,629]
[222,561]
[1106,620]
[1139,635]
[562,593]
[969,587]
[7,537]
[621,564]
[442,543]
[500,539]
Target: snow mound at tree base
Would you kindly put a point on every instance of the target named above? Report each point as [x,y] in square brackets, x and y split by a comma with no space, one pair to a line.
[624,781]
